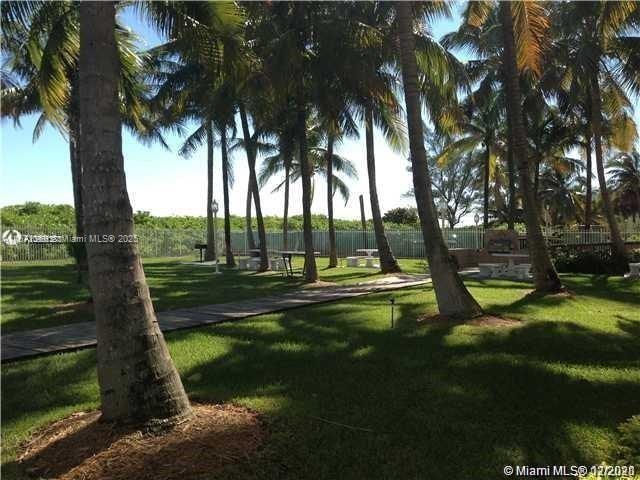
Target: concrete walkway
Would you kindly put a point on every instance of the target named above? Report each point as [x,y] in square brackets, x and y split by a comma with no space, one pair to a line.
[81,335]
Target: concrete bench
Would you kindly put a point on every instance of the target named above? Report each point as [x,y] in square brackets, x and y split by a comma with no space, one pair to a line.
[353,261]
[370,262]
[522,271]
[243,264]
[488,270]
[634,271]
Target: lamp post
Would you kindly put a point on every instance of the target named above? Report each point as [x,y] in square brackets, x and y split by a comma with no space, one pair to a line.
[443,210]
[214,209]
[476,218]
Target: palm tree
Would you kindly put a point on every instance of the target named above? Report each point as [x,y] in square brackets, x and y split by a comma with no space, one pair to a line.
[41,47]
[322,159]
[545,275]
[374,95]
[138,381]
[481,130]
[624,178]
[451,294]
[605,58]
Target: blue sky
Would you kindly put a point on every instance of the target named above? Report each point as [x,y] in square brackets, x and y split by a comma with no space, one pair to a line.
[165,184]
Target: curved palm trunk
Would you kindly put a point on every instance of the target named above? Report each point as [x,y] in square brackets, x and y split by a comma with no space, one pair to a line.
[247,219]
[333,255]
[253,182]
[545,275]
[285,218]
[138,381]
[388,263]
[589,195]
[511,221]
[451,294]
[230,261]
[487,166]
[211,243]
[618,251]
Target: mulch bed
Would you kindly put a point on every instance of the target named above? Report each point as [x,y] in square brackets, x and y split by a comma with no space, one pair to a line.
[82,447]
[486,320]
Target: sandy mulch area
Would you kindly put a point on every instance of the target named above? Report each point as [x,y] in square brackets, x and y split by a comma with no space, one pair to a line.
[486,320]
[82,447]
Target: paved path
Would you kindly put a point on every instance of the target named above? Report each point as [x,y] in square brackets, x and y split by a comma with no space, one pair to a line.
[81,335]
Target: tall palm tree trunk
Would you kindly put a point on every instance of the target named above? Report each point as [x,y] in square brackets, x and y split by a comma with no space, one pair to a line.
[285,218]
[253,182]
[511,220]
[138,381]
[536,174]
[80,251]
[247,219]
[230,261]
[211,243]
[333,255]
[618,250]
[545,275]
[487,166]
[589,194]
[388,263]
[451,294]
[311,271]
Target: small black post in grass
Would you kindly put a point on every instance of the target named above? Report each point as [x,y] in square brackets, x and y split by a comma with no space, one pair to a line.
[392,301]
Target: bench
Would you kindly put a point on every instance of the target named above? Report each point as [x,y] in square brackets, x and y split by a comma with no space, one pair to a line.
[634,271]
[370,262]
[488,270]
[522,271]
[353,261]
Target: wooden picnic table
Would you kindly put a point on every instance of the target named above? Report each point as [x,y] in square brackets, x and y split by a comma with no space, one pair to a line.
[287,255]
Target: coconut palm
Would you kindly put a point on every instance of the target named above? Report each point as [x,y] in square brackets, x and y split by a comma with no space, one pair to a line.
[624,182]
[524,52]
[605,60]
[275,166]
[40,48]
[138,381]
[481,130]
[451,294]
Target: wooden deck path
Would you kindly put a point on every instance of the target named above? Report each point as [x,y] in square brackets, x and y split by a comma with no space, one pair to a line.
[74,336]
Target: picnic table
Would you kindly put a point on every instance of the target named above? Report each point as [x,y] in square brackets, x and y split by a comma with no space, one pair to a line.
[368,251]
[287,255]
[511,257]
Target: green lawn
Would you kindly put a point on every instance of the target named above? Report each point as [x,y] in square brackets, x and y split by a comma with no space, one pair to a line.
[442,401]
[43,294]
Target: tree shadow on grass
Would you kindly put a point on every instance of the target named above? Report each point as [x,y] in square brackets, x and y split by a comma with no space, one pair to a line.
[429,395]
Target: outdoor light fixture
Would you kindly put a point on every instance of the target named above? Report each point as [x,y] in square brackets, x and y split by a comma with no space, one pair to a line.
[392,301]
[214,207]
[476,218]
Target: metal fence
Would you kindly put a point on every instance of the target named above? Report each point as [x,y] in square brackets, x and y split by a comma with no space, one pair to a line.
[179,243]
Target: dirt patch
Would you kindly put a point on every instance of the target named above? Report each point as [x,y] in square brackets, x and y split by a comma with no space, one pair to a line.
[481,321]
[82,447]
